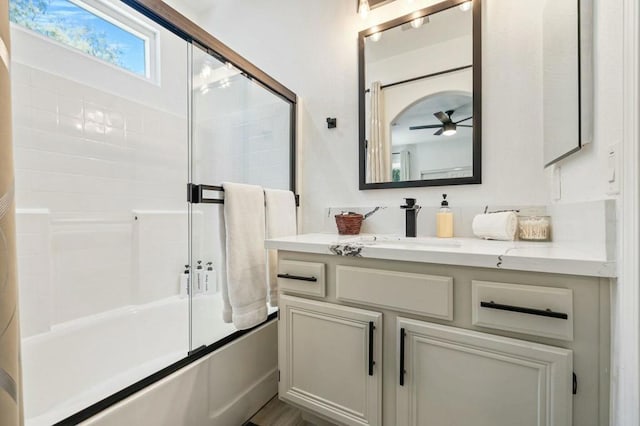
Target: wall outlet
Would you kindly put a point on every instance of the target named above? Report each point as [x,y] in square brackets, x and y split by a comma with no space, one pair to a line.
[614,172]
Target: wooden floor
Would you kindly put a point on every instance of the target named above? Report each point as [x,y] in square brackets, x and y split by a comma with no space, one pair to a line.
[277,413]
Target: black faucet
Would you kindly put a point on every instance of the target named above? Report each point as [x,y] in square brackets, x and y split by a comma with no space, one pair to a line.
[411,210]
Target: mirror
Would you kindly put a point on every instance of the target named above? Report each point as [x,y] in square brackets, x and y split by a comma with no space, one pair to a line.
[420,89]
[567,77]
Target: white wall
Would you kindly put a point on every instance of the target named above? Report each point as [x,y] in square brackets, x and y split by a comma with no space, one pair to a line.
[314,53]
[584,174]
[101,166]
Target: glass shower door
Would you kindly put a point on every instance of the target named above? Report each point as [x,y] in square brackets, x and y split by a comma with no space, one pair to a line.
[240,132]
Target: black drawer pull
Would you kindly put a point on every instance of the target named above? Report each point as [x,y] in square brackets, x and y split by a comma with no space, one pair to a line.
[531,311]
[297,277]
[371,361]
[402,335]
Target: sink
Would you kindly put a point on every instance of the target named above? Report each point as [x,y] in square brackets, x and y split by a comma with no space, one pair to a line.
[398,241]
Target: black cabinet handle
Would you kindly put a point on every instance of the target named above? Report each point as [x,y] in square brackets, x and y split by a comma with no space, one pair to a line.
[297,277]
[531,311]
[371,361]
[402,336]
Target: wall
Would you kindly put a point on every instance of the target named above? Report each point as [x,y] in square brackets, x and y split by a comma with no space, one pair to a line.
[101,166]
[583,176]
[327,30]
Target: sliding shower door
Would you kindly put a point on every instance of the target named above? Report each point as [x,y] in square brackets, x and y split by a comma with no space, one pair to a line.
[101,158]
[241,132]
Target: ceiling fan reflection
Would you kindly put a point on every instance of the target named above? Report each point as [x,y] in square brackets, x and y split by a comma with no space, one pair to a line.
[448,126]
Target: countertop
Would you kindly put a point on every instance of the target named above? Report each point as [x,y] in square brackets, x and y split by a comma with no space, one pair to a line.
[550,257]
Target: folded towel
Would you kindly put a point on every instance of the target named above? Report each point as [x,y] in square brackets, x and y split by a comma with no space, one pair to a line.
[281,222]
[244,219]
[496,226]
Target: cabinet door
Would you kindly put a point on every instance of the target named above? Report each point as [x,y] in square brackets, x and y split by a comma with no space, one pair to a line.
[330,360]
[458,377]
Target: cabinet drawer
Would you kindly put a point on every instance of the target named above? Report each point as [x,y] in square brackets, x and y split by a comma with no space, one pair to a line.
[419,294]
[535,310]
[301,277]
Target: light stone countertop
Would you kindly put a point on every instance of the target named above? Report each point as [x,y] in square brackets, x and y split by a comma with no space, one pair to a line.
[550,257]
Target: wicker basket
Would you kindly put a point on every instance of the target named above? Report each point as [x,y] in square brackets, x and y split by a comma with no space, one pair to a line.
[349,224]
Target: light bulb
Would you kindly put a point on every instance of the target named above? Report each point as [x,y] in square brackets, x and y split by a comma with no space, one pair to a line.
[449,129]
[465,6]
[376,36]
[363,9]
[417,23]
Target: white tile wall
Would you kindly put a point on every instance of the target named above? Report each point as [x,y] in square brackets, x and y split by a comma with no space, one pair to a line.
[85,160]
[159,249]
[34,264]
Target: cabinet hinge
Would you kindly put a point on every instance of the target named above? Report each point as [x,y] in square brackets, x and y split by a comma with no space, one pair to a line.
[278,375]
[575,384]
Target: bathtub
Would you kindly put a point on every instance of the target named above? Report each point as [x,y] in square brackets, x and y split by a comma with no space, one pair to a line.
[83,361]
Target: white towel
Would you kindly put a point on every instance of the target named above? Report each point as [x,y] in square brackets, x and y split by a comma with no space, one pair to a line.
[281,222]
[495,226]
[244,219]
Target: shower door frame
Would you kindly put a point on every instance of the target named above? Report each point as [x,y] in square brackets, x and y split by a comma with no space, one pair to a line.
[169,18]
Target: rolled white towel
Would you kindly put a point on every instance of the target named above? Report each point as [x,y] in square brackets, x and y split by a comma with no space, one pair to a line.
[496,226]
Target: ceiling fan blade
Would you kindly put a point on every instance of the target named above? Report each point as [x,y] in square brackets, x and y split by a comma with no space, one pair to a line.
[442,117]
[463,125]
[439,132]
[430,126]
[464,119]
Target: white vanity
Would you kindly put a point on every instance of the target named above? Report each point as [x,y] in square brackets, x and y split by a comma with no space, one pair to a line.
[378,330]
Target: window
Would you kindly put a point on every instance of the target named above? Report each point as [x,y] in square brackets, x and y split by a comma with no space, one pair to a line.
[92,27]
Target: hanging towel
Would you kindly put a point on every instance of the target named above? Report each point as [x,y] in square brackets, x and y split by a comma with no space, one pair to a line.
[281,222]
[495,226]
[244,218]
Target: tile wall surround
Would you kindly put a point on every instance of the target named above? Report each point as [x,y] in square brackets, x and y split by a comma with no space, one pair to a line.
[86,160]
[100,184]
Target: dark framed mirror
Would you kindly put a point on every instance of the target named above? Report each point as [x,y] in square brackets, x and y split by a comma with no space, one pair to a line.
[420,98]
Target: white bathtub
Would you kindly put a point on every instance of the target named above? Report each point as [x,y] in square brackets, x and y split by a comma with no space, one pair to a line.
[83,361]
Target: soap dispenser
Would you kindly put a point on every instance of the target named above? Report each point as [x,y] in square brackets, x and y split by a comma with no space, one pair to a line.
[210,280]
[444,219]
[199,279]
[184,282]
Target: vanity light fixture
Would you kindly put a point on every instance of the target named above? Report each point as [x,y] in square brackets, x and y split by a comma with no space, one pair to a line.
[363,9]
[466,6]
[449,129]
[376,36]
[417,23]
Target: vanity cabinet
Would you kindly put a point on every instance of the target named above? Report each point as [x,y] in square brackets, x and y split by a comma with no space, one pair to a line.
[453,376]
[330,359]
[476,346]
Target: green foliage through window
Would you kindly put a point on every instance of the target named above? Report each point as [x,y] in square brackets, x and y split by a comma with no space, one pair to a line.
[74,26]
